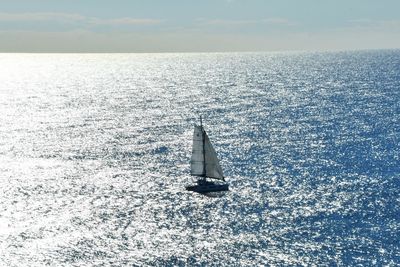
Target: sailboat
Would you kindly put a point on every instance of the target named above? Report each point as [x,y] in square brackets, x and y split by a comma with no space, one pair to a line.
[205,164]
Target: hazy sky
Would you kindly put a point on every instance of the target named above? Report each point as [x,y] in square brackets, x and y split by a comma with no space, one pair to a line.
[197,25]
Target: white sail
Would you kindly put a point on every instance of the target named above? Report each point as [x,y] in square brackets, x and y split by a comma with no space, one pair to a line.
[204,161]
[197,160]
[213,169]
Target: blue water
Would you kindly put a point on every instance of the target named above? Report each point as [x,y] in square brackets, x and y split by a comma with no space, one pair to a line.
[95,150]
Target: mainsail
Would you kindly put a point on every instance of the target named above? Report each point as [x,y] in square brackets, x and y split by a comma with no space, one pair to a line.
[204,161]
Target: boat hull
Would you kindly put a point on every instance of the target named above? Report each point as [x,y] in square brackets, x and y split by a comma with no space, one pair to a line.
[208,187]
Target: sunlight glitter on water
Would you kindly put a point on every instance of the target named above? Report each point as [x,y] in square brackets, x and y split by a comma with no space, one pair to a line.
[95,150]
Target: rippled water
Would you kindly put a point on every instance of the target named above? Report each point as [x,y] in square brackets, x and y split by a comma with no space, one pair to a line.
[95,150]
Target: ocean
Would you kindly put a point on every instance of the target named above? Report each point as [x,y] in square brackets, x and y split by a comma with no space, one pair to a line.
[95,152]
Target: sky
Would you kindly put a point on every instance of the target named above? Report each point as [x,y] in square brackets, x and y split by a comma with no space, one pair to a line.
[197,25]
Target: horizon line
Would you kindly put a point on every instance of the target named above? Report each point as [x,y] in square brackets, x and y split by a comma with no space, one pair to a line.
[200,52]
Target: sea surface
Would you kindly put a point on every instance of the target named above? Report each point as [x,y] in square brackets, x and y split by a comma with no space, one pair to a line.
[95,151]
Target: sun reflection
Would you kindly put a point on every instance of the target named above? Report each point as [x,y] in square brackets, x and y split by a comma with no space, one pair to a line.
[94,156]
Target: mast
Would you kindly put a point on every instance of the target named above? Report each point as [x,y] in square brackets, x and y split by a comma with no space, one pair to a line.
[204,150]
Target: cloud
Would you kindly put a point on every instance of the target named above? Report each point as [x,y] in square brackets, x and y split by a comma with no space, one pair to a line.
[74,18]
[124,21]
[32,17]
[279,21]
[267,21]
[382,25]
